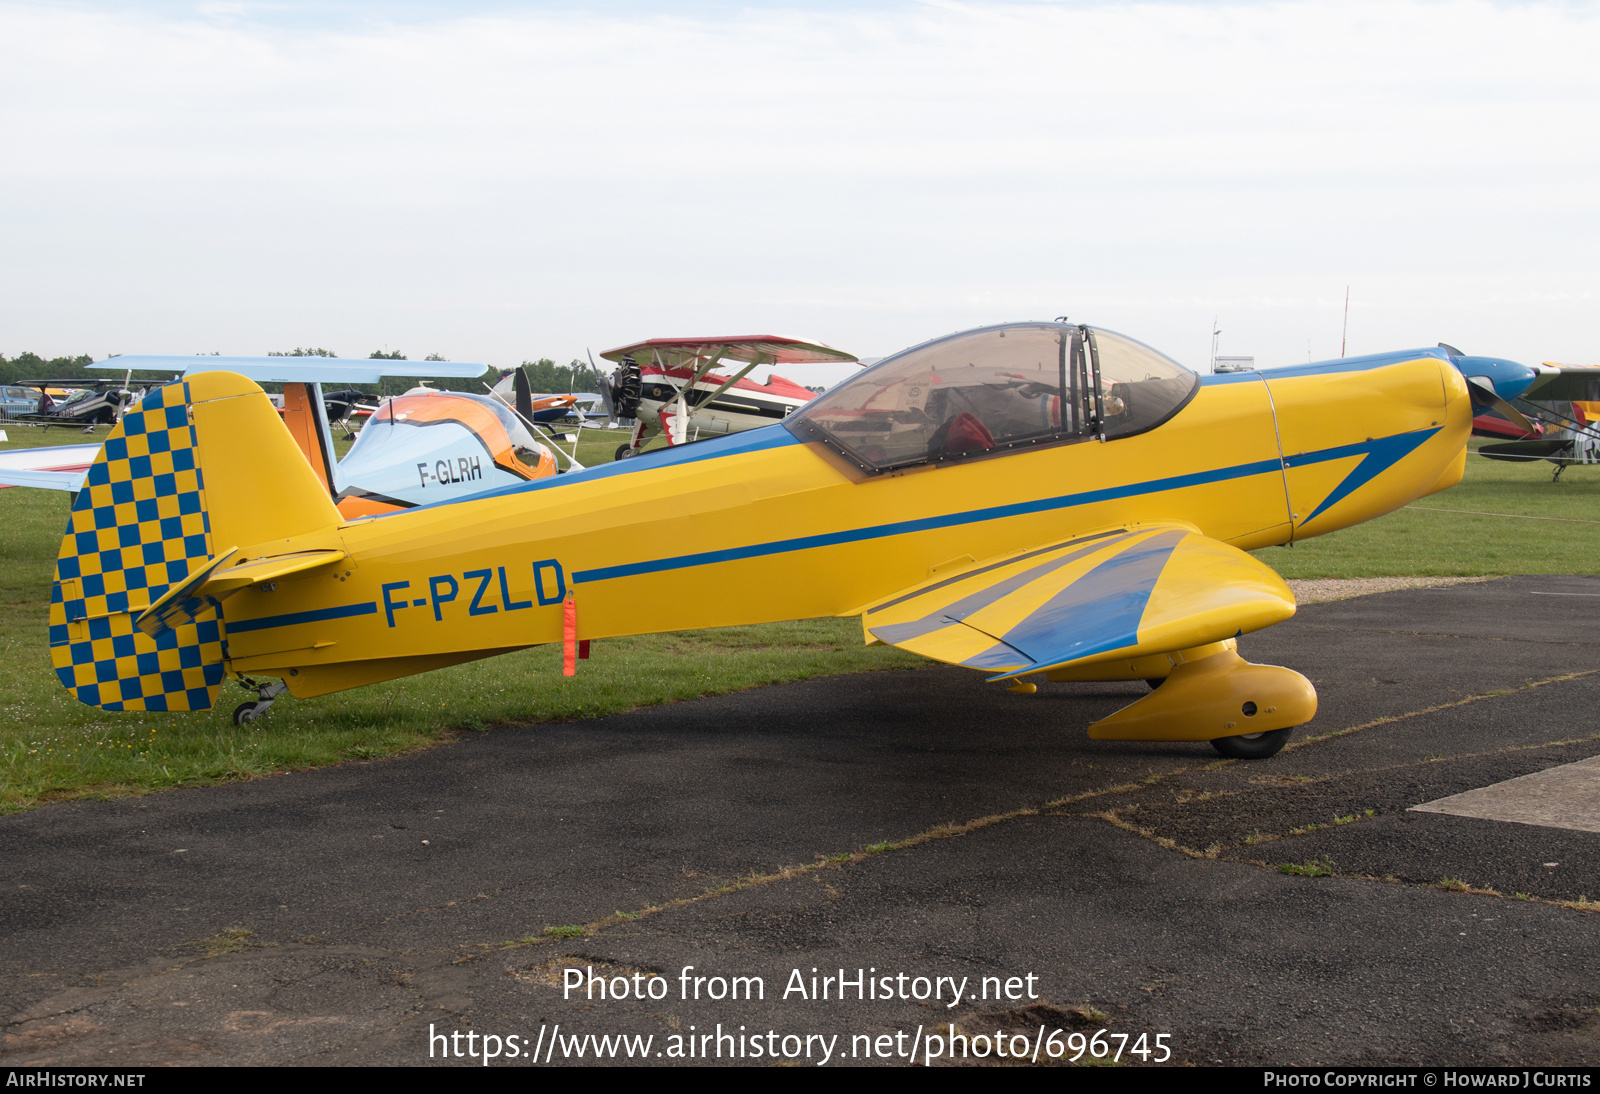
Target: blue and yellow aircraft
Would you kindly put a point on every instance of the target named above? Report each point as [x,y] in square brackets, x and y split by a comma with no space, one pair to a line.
[1034,501]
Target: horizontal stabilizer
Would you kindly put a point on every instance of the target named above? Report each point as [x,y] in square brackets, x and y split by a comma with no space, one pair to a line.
[1126,592]
[214,581]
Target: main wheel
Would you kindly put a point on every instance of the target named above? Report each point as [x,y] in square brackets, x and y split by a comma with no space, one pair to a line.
[1253,746]
[623,452]
[244,714]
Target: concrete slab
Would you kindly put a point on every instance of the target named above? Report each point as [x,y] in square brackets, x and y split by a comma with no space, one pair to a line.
[1567,796]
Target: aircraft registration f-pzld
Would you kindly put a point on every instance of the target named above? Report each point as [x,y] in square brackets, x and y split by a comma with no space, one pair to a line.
[1030,500]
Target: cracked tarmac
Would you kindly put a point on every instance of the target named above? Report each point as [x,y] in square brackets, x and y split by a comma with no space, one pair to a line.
[915,821]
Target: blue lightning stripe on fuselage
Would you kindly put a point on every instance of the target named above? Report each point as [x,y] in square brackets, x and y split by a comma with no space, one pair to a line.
[1378,456]
[1387,448]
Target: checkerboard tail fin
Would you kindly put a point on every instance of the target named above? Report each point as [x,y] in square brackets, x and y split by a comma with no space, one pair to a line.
[195,468]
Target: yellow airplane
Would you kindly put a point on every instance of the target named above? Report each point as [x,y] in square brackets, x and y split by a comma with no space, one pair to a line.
[1034,500]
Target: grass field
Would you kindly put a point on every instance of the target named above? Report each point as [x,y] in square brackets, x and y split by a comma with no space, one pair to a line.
[52,747]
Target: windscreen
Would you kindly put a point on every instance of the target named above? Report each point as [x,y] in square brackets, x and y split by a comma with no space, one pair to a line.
[1140,387]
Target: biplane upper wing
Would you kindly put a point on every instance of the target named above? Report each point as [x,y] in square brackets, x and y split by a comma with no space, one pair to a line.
[770,349]
[1123,592]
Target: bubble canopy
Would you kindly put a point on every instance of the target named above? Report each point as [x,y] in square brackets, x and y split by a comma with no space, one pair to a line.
[996,390]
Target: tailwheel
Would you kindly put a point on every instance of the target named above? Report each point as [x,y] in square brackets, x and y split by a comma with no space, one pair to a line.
[1253,746]
[246,713]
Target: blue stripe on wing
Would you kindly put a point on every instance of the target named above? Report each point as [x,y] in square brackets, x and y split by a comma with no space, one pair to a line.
[1097,613]
[895,633]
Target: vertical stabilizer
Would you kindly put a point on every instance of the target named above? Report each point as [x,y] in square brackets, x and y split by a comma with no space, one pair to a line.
[524,394]
[192,471]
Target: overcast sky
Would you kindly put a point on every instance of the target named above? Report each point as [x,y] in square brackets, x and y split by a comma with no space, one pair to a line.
[501,181]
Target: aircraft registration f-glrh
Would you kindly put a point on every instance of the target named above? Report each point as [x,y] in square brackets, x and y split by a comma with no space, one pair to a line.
[1034,500]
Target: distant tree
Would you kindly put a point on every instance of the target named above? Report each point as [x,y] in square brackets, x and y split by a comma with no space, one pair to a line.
[548,378]
[298,352]
[584,376]
[30,366]
[379,355]
[435,357]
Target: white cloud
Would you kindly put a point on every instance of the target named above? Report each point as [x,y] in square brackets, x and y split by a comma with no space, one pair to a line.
[522,182]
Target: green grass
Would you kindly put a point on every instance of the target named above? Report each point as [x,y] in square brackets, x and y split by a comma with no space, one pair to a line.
[52,747]
[1419,541]
[1322,867]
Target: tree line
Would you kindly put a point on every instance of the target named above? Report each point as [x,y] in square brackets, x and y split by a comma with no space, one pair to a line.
[544,375]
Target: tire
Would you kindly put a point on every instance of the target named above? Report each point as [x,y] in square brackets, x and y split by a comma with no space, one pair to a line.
[244,714]
[1253,746]
[623,452]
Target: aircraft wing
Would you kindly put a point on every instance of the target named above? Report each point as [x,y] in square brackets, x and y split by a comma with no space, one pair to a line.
[43,480]
[325,370]
[62,467]
[1565,384]
[1125,592]
[1536,449]
[770,349]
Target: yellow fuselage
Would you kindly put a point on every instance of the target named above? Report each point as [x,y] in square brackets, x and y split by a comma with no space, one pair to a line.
[761,527]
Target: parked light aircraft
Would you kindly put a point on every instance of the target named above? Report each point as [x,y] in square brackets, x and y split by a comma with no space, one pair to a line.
[1036,501]
[550,411]
[1564,403]
[421,447]
[425,446]
[666,385]
[91,403]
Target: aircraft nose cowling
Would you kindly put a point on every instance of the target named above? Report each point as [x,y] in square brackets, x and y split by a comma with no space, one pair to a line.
[1364,436]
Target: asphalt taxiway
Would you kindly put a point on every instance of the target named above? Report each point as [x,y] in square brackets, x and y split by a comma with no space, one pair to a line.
[916,822]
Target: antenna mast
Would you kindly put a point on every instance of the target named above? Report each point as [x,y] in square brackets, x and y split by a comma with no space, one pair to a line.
[1345,333]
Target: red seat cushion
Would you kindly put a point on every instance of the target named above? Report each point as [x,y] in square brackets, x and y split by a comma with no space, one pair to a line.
[968,434]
